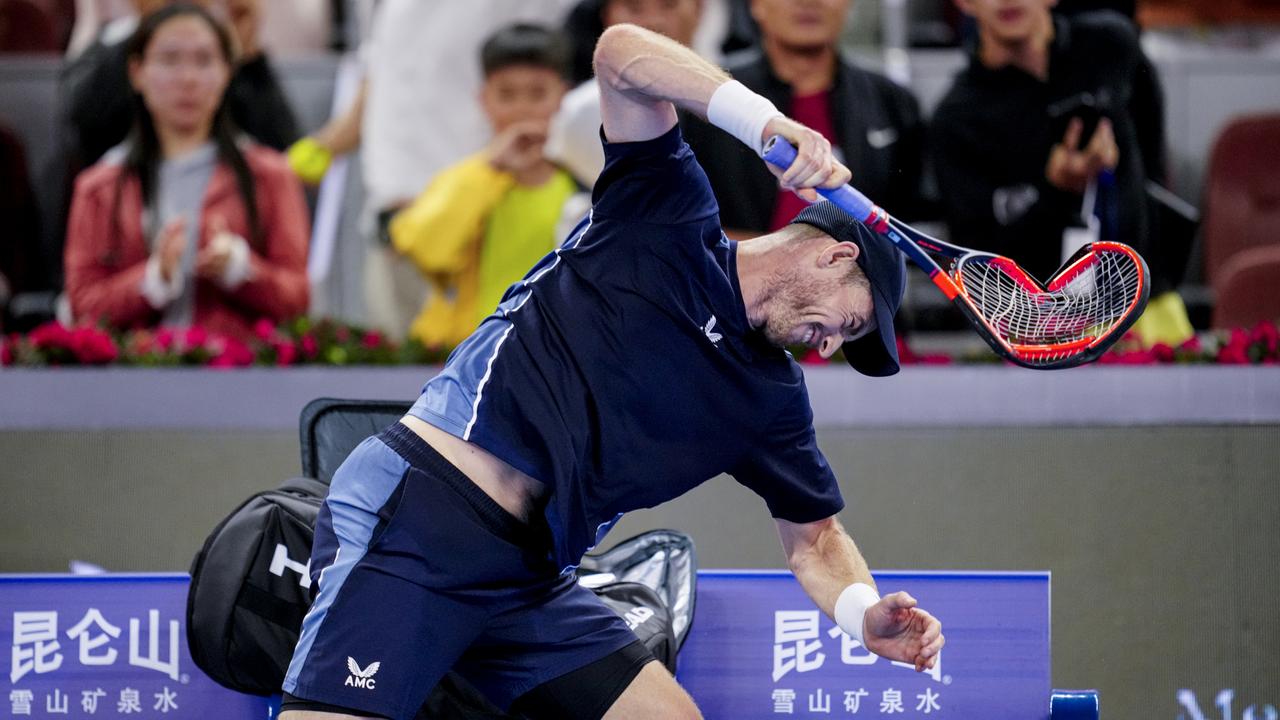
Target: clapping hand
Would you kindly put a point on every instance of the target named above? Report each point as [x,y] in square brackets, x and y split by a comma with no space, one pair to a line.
[211,261]
[173,242]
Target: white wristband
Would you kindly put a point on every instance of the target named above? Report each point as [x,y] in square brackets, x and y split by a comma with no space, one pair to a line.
[741,113]
[851,608]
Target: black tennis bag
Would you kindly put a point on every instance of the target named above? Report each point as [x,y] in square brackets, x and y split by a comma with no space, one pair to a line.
[251,587]
[654,572]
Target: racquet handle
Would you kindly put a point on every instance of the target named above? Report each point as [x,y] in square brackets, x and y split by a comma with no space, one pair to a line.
[779,152]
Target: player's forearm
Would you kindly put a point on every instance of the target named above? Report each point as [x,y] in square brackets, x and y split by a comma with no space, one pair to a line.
[647,67]
[825,561]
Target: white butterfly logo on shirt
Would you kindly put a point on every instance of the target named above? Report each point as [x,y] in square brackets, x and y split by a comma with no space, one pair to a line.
[714,337]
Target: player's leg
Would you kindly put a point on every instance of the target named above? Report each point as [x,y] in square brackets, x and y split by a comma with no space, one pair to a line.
[293,708]
[653,694]
[320,715]
[574,659]
[383,629]
[627,683]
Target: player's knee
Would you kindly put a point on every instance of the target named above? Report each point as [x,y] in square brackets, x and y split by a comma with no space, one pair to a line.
[676,707]
[684,709]
[654,693]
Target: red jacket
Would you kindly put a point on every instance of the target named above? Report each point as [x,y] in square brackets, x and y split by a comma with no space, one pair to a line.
[102,287]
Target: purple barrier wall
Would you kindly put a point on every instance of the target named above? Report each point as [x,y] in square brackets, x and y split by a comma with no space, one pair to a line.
[759,648]
[115,645]
[109,645]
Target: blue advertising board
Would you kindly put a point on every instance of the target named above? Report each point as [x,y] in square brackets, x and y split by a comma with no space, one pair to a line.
[115,645]
[759,648]
[106,646]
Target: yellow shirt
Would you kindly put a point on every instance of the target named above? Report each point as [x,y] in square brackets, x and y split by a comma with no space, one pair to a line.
[472,233]
[521,230]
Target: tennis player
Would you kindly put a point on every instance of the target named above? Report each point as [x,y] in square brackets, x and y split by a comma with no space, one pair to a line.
[640,359]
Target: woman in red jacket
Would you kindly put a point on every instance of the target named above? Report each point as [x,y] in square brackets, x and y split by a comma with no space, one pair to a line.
[186,223]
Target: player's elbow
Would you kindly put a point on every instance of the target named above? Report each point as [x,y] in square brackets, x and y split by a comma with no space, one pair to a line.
[804,543]
[617,47]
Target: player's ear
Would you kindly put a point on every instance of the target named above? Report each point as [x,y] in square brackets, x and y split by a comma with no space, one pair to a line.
[839,252]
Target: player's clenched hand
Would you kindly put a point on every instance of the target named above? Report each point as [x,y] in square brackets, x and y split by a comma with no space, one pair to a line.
[895,628]
[815,164]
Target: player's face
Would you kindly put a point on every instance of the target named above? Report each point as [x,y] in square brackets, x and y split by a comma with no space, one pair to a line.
[521,92]
[801,23]
[820,309]
[1008,21]
[677,19]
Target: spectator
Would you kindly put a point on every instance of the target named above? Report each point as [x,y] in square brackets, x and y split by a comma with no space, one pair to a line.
[94,94]
[874,124]
[1013,178]
[257,101]
[1170,233]
[1146,102]
[574,141]
[95,85]
[186,224]
[92,18]
[19,218]
[301,27]
[483,222]
[412,71]
[723,26]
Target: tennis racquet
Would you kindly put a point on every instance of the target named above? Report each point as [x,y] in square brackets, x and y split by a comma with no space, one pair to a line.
[1070,320]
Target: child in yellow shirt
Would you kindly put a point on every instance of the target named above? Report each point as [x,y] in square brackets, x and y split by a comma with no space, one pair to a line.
[482,223]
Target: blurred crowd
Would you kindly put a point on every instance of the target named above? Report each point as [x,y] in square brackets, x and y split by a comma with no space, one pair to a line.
[179,194]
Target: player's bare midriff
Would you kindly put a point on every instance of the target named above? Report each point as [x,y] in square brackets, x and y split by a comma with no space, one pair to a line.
[515,491]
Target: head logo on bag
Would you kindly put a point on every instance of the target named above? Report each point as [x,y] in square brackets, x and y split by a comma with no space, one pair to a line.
[280,562]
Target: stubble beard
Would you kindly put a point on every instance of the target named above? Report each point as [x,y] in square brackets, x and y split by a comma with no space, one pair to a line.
[791,296]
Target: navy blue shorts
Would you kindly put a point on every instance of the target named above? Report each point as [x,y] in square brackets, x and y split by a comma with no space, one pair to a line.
[419,572]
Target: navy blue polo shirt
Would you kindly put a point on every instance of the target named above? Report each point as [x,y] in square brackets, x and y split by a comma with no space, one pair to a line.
[621,371]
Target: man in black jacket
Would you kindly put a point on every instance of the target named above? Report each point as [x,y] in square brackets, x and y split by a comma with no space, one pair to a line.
[1038,117]
[873,124]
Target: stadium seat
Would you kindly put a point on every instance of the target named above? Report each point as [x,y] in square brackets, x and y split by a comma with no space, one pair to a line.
[1247,288]
[1242,192]
[25,27]
[330,428]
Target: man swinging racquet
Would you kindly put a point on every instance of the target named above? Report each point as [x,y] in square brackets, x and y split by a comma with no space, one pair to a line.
[640,359]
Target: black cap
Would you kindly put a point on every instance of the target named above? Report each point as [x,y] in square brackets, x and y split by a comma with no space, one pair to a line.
[876,353]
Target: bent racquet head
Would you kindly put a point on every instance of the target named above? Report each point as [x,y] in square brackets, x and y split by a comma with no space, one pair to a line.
[1071,320]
